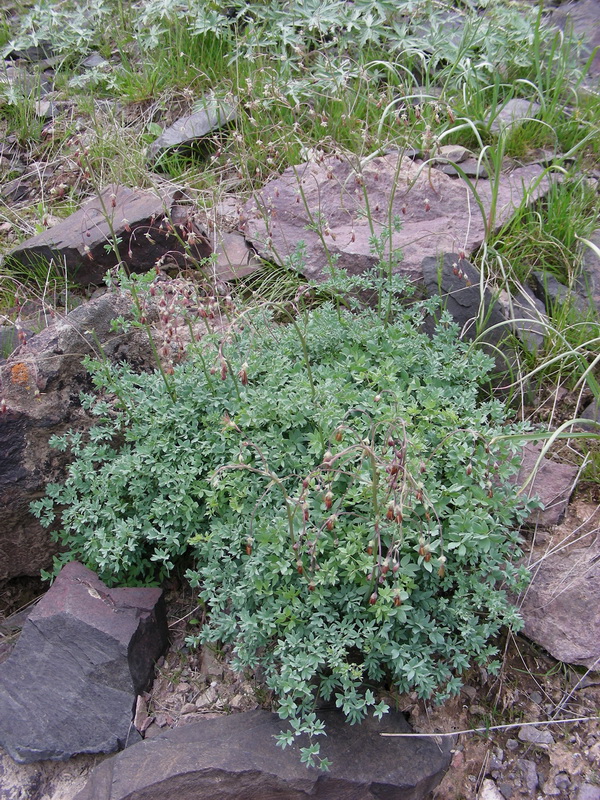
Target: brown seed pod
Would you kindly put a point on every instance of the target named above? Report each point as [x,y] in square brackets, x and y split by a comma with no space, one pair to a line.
[373,599]
[328,500]
[299,567]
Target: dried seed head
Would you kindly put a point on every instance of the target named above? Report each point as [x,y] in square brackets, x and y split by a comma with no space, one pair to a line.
[328,500]
[373,599]
[328,457]
[330,524]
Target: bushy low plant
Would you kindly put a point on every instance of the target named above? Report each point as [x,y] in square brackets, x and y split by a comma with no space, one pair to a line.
[344,489]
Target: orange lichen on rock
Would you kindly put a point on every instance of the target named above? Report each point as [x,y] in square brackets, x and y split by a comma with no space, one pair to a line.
[19,374]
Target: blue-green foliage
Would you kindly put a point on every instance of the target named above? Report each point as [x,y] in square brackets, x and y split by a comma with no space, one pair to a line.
[339,483]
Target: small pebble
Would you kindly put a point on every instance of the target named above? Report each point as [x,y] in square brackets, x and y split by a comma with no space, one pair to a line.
[532,735]
[562,781]
[536,697]
[506,789]
[188,708]
[489,791]
[512,745]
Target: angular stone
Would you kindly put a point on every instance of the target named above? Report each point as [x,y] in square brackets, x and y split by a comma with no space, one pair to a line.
[235,258]
[437,213]
[590,279]
[552,483]
[470,167]
[534,735]
[527,317]
[41,384]
[561,607]
[581,18]
[451,152]
[214,115]
[457,282]
[489,791]
[514,112]
[549,289]
[71,682]
[83,241]
[236,757]
[591,412]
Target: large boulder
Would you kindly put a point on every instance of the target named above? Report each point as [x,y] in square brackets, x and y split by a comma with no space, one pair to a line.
[41,385]
[84,654]
[235,758]
[335,206]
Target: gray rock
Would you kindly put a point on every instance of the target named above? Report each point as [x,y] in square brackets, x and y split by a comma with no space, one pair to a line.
[235,259]
[458,284]
[436,212]
[138,220]
[93,61]
[85,652]
[581,18]
[552,482]
[451,153]
[562,781]
[590,279]
[236,757]
[41,384]
[35,52]
[553,292]
[213,115]
[470,167]
[561,607]
[513,113]
[532,735]
[528,770]
[589,791]
[489,791]
[527,316]
[591,412]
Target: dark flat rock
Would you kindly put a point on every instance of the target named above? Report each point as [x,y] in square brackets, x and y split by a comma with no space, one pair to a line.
[83,242]
[457,282]
[235,758]
[85,652]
